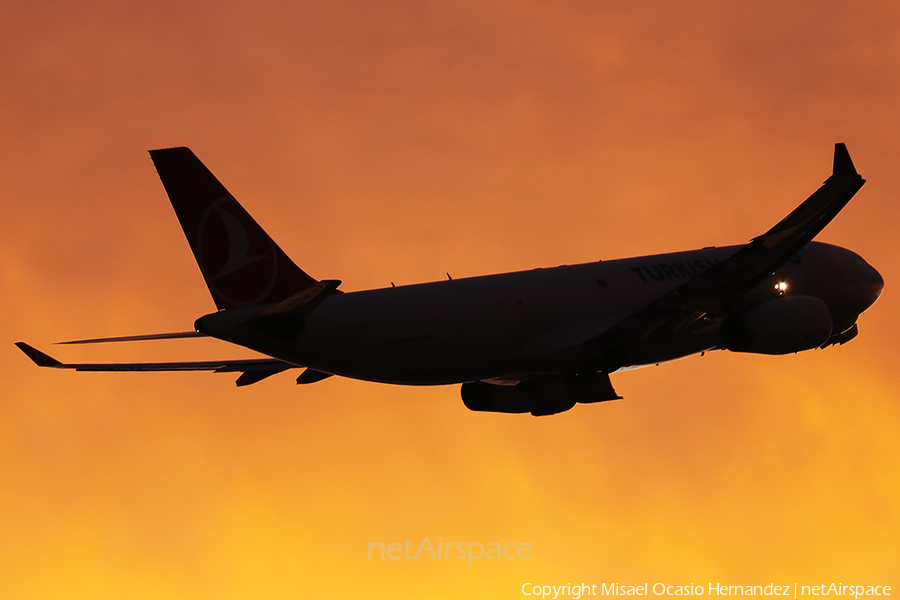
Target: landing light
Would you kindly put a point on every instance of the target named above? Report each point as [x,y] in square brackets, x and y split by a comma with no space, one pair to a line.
[781,287]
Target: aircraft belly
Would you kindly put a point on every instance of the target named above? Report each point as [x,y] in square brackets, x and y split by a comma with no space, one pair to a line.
[419,355]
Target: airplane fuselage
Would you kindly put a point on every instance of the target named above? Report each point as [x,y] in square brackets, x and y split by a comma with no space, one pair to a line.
[524,324]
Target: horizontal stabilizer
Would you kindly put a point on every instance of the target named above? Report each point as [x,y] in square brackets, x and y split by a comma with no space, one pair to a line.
[138,338]
[285,320]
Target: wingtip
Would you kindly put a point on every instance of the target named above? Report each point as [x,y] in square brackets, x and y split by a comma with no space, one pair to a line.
[39,358]
[843,165]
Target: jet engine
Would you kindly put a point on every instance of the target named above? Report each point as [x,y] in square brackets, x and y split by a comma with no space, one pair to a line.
[546,395]
[781,326]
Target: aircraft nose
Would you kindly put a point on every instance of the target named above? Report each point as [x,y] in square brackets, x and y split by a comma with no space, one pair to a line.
[873,281]
[860,286]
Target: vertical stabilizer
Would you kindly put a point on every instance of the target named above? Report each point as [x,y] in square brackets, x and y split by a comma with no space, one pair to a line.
[240,263]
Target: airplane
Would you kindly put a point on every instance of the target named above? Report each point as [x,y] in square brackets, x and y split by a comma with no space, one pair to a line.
[538,341]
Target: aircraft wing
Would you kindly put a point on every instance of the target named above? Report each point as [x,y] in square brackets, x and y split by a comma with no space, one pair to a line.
[712,293]
[252,370]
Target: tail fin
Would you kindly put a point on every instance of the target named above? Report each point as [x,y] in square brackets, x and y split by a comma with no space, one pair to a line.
[241,264]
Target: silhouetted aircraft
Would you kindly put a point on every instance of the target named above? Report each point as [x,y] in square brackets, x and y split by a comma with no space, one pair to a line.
[535,341]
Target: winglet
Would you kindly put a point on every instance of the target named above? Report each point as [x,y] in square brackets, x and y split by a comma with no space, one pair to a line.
[843,166]
[39,358]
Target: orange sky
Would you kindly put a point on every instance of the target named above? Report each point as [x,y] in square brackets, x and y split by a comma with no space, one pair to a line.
[396,142]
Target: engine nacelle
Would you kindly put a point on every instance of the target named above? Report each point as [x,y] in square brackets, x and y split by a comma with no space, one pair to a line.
[545,395]
[781,326]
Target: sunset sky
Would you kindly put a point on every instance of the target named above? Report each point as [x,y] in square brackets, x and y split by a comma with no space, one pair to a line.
[399,141]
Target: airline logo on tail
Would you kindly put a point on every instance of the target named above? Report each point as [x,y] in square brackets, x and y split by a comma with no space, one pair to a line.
[225,249]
